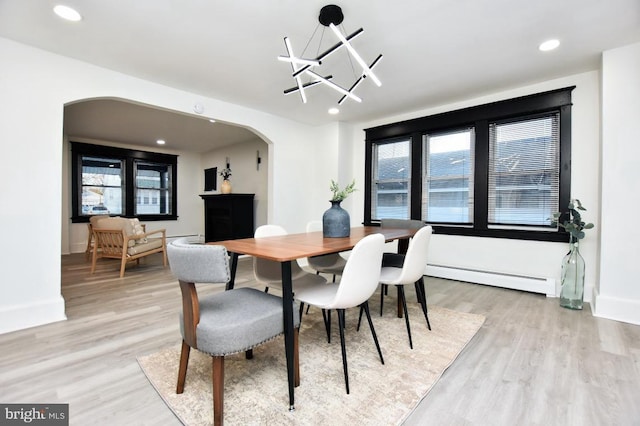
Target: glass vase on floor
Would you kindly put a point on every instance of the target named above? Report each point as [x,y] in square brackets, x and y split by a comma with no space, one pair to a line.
[572,289]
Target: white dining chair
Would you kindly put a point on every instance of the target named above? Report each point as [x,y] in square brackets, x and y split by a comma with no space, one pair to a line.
[411,272]
[269,272]
[359,281]
[396,259]
[332,264]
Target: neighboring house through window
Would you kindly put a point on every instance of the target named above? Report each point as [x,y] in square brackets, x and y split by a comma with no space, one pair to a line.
[495,170]
[123,182]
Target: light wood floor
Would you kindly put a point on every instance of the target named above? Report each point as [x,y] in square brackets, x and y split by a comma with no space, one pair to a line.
[532,363]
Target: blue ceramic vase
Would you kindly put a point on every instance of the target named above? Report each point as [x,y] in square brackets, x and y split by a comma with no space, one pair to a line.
[336,222]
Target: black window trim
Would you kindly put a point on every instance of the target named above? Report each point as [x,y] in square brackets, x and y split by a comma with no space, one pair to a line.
[478,117]
[79,149]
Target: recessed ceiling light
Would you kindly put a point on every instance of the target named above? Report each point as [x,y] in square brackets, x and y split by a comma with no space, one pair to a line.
[333,111]
[160,142]
[549,45]
[211,120]
[67,13]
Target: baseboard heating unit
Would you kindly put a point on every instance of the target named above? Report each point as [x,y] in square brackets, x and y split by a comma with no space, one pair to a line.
[518,282]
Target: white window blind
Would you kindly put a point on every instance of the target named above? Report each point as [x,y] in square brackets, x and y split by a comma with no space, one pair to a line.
[391,177]
[524,172]
[447,193]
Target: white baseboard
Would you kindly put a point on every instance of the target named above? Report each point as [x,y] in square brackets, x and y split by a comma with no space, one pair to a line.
[18,317]
[518,282]
[625,310]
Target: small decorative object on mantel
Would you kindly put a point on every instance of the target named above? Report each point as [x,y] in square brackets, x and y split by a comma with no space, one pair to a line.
[335,221]
[572,287]
[225,186]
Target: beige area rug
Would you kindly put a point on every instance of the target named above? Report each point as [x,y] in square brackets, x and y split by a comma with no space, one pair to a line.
[256,390]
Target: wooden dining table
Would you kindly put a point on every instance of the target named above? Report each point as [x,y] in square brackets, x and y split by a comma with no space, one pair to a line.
[288,248]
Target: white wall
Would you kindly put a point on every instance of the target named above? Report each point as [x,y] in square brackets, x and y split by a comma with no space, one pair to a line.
[527,258]
[618,293]
[246,177]
[34,87]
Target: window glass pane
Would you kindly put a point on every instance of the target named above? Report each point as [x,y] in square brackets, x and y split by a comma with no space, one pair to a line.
[101,186]
[391,174]
[153,194]
[447,193]
[524,172]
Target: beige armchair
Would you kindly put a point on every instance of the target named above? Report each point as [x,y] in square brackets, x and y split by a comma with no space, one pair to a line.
[92,221]
[125,239]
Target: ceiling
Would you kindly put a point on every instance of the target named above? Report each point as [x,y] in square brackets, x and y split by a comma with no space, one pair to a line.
[125,122]
[434,51]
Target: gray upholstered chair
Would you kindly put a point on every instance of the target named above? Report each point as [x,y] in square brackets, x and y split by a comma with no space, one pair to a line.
[223,323]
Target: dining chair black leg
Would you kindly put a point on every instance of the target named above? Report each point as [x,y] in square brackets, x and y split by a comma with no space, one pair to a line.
[423,299]
[365,307]
[383,292]
[301,310]
[360,318]
[406,313]
[326,316]
[343,347]
[418,292]
[248,354]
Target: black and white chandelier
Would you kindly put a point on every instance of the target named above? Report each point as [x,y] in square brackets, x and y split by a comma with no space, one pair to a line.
[330,16]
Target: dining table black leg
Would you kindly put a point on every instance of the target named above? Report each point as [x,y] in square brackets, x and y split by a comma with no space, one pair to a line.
[233,267]
[287,310]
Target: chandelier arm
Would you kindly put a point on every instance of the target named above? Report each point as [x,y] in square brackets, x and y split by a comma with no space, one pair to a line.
[294,67]
[355,54]
[334,86]
[328,52]
[306,85]
[359,80]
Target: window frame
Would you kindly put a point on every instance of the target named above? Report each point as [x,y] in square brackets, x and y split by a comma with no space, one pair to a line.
[129,158]
[426,143]
[477,117]
[375,163]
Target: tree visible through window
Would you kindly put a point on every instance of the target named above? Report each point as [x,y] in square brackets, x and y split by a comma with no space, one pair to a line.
[116,181]
[101,186]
